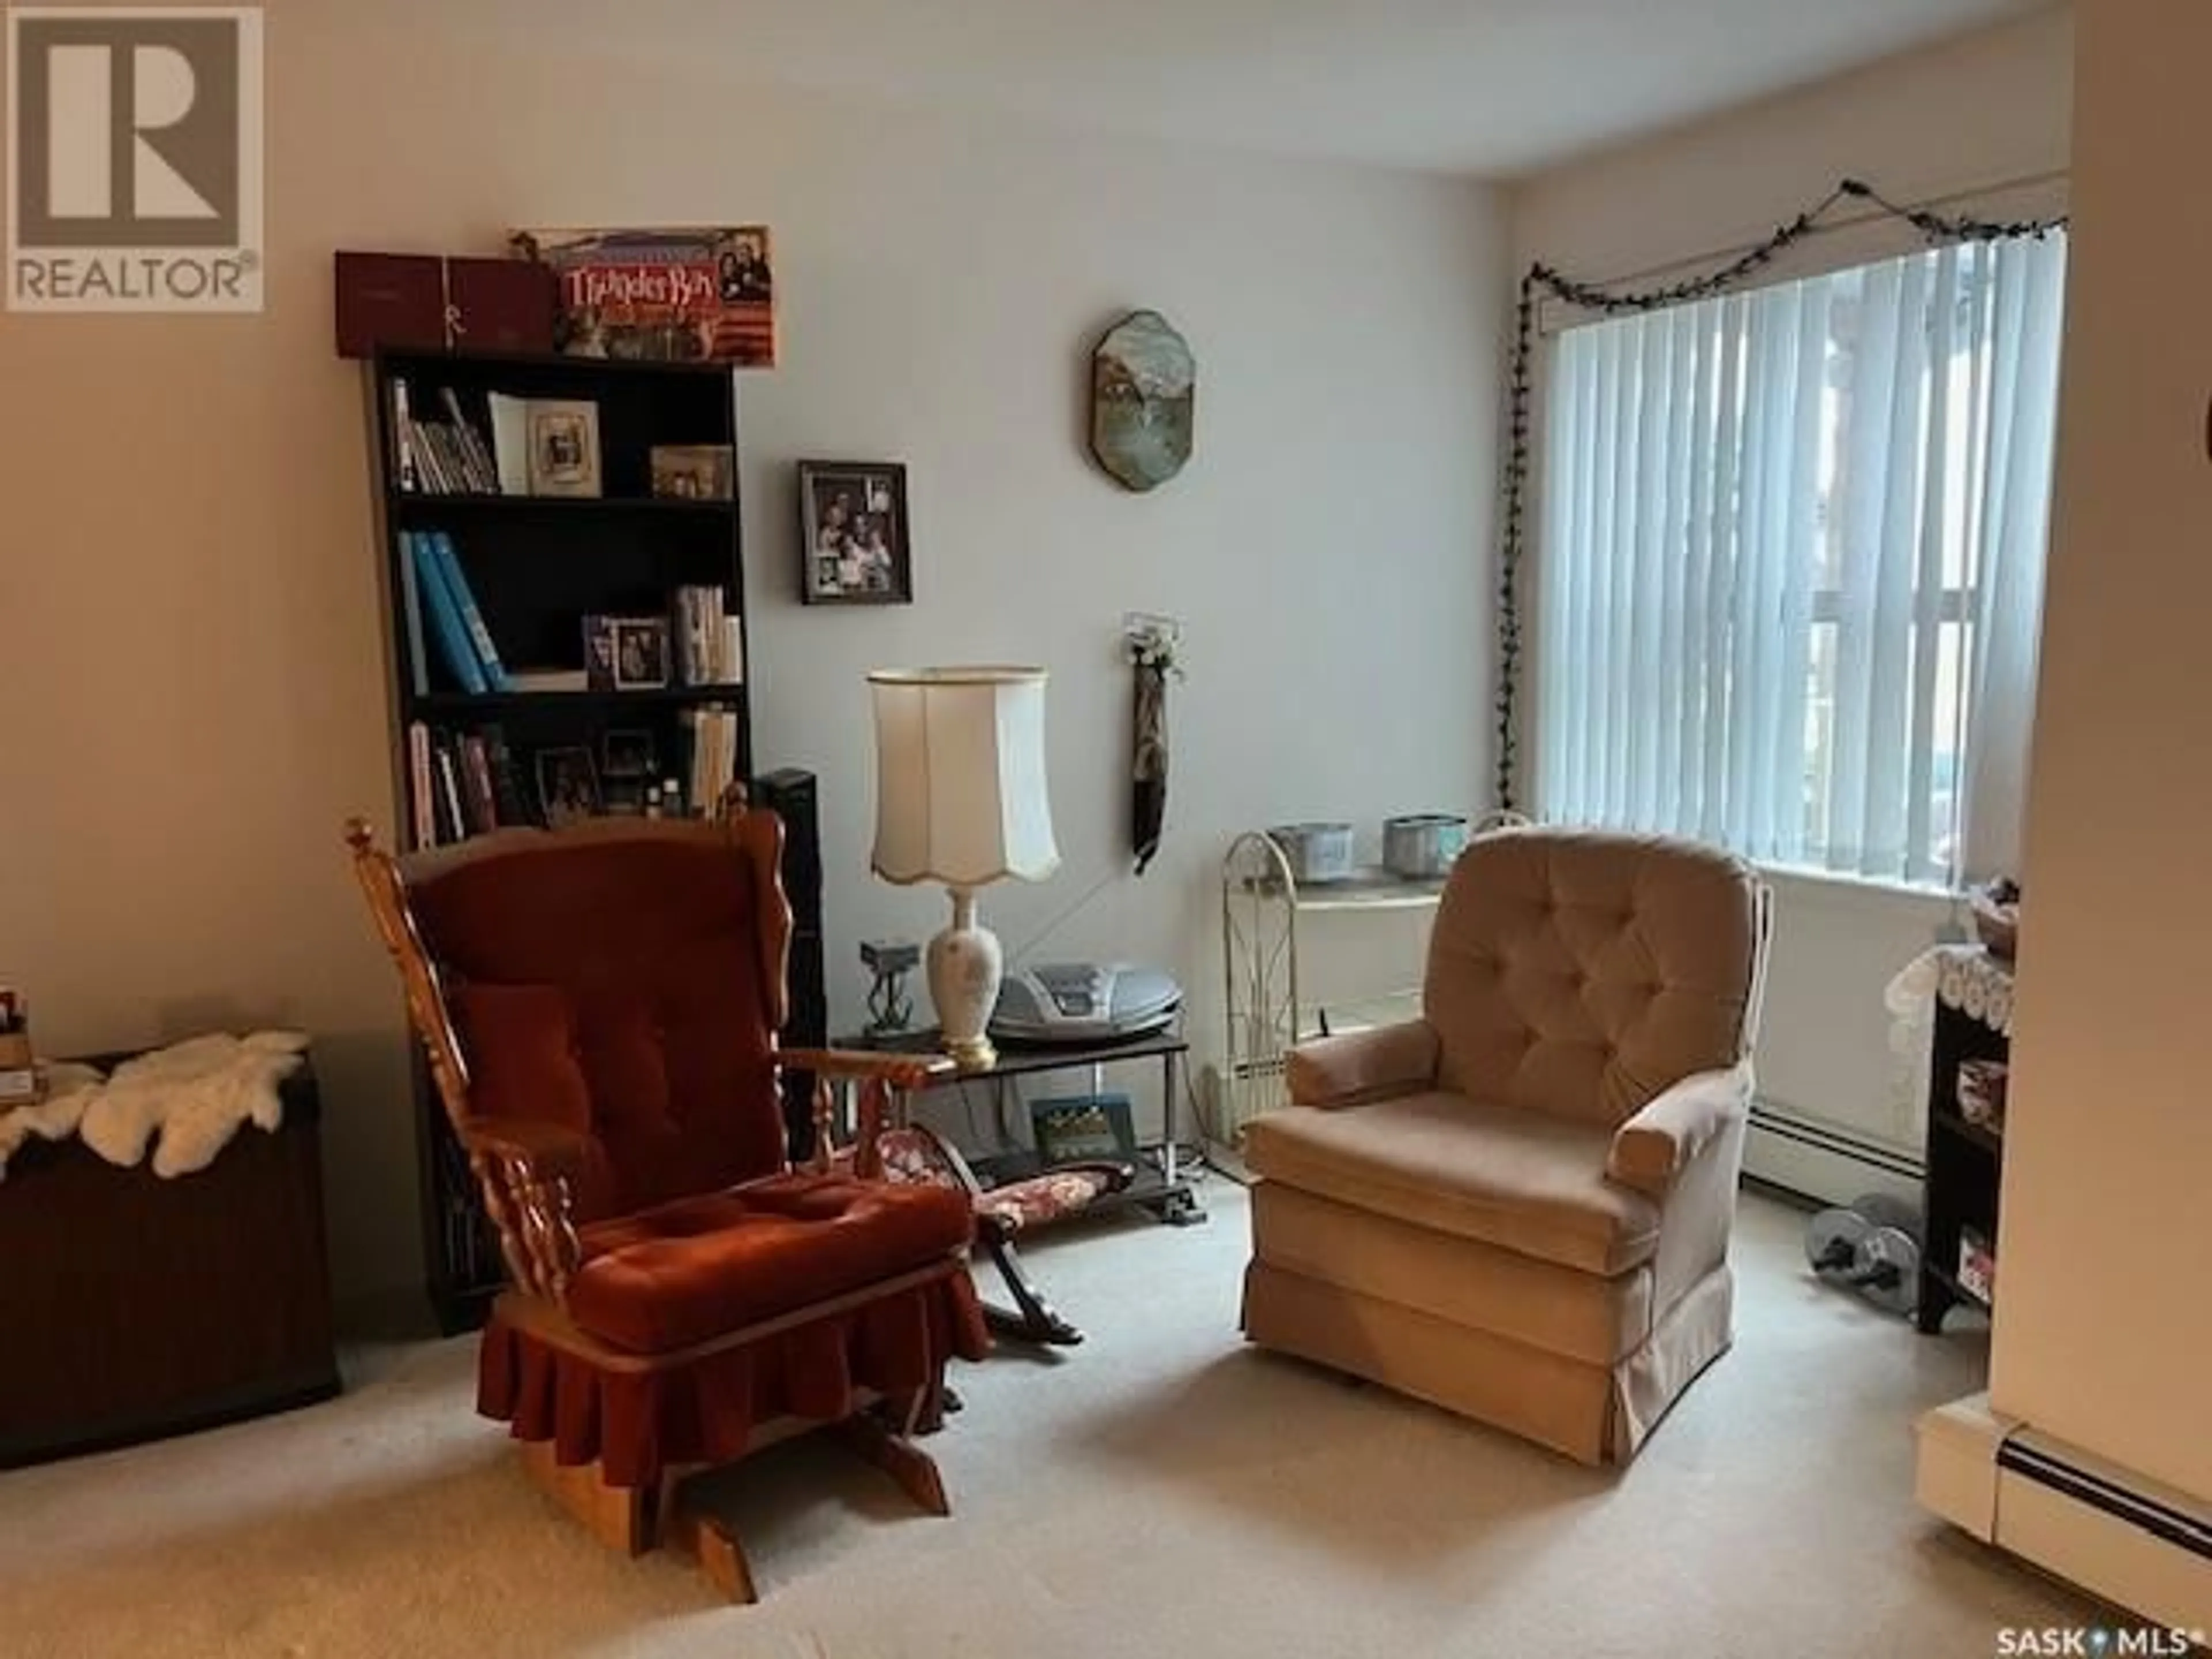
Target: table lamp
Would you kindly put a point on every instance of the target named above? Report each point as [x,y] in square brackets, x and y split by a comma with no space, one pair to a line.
[961,799]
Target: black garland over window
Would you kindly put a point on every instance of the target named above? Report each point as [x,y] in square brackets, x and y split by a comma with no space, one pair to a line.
[1542,280]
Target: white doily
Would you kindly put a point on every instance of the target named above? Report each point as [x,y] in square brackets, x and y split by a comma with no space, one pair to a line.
[1962,976]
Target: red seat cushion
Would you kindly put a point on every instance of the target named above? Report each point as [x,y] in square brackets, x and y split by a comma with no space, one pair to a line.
[693,1269]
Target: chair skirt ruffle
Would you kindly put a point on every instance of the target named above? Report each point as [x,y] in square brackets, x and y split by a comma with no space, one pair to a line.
[637,1423]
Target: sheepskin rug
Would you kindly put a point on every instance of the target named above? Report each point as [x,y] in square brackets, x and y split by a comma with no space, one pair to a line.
[184,1102]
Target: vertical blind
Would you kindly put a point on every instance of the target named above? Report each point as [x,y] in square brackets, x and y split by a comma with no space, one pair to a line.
[1790,565]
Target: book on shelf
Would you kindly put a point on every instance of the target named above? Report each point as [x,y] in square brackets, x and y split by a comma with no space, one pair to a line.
[731,667]
[440,471]
[453,823]
[475,454]
[709,642]
[548,679]
[476,784]
[441,457]
[464,783]
[510,442]
[411,618]
[715,744]
[471,618]
[446,627]
[419,811]
[404,468]
[457,622]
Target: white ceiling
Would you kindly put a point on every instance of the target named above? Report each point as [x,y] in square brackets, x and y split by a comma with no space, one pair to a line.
[1491,86]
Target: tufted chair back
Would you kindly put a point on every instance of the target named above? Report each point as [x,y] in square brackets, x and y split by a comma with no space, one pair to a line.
[623,978]
[1578,972]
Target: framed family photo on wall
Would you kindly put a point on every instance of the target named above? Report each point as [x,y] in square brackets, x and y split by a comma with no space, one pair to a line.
[854,536]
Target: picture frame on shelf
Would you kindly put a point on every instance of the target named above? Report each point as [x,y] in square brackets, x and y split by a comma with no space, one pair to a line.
[628,755]
[568,786]
[694,472]
[1084,1128]
[855,537]
[641,653]
[563,452]
[598,653]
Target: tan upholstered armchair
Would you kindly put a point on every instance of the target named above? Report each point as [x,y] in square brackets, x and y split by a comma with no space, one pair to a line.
[1517,1206]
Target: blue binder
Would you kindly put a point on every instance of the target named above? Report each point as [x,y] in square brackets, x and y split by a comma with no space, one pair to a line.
[452,633]
[472,620]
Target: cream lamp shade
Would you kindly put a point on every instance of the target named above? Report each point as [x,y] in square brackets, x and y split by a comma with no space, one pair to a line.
[960,776]
[960,798]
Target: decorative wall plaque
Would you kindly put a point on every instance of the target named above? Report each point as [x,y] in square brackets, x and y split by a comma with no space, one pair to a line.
[1144,382]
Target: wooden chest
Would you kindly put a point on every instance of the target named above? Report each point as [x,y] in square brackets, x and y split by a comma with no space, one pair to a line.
[132,1307]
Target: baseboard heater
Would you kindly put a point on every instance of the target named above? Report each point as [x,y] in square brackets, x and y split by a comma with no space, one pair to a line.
[2135,1543]
[1822,1161]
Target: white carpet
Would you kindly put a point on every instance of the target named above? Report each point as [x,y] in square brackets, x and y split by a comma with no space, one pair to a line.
[1162,1490]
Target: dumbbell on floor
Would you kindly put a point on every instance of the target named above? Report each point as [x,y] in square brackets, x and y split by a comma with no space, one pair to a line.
[1872,1247]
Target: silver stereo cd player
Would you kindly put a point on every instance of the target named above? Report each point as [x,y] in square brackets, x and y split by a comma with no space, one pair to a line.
[1085,1002]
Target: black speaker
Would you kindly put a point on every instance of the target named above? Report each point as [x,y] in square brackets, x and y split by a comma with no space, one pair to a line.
[791,795]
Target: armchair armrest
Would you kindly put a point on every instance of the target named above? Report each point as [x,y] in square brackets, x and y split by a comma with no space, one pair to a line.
[881,1076]
[555,1149]
[899,1071]
[524,1169]
[1364,1066]
[1653,1148]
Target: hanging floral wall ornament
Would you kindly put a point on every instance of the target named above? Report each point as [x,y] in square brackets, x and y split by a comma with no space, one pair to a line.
[1151,644]
[1543,282]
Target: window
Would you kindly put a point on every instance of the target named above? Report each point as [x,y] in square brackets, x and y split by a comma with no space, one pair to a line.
[1790,569]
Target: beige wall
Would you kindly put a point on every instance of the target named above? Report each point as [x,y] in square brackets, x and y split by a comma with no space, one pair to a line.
[1988,109]
[193,665]
[2104,1332]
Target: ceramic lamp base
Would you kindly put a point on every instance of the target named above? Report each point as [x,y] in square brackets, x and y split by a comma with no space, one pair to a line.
[965,968]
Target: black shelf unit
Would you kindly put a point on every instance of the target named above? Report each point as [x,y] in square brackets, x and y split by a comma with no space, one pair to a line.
[1965,1166]
[415,504]
[537,565]
[464,705]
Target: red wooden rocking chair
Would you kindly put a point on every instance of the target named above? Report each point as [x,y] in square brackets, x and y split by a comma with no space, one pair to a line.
[600,1006]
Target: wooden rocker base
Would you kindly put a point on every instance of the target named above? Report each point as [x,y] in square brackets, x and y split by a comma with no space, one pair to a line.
[911,1468]
[1032,1318]
[633,1520]
[708,1540]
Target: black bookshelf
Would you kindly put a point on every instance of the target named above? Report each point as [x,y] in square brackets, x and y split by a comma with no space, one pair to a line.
[465,706]
[539,565]
[536,565]
[412,505]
